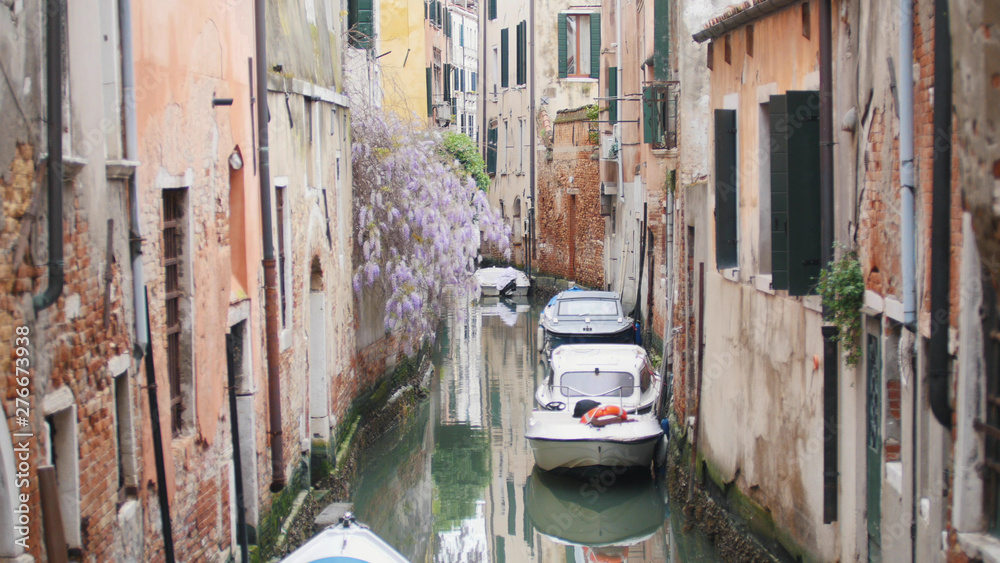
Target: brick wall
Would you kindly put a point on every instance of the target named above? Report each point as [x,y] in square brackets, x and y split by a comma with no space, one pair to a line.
[570,240]
[68,345]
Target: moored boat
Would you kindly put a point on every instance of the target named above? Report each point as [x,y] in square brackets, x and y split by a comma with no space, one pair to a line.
[596,408]
[496,281]
[584,317]
[346,542]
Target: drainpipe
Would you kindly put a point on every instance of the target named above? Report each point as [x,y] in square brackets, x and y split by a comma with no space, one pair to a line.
[132,153]
[941,218]
[534,138]
[270,266]
[161,468]
[241,523]
[53,79]
[831,359]
[908,258]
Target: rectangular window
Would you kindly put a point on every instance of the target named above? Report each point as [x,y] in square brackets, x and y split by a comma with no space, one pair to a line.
[661,40]
[461,36]
[472,82]
[496,68]
[173,255]
[579,45]
[520,145]
[65,458]
[795,215]
[612,95]
[660,115]
[726,193]
[360,23]
[492,9]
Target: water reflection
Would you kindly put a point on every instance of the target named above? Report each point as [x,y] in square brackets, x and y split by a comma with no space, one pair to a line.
[458,483]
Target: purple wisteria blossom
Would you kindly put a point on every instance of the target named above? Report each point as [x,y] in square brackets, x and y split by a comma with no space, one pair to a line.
[418,224]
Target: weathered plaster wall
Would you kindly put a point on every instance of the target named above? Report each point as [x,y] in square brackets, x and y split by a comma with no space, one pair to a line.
[193,53]
[402,30]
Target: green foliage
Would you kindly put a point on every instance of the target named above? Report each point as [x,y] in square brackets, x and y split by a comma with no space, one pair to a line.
[842,287]
[465,151]
[593,112]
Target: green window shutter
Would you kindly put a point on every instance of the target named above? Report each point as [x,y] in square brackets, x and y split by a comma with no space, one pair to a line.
[493,9]
[804,245]
[650,114]
[661,40]
[778,115]
[447,81]
[595,45]
[430,92]
[504,63]
[613,93]
[461,36]
[521,52]
[562,45]
[447,24]
[726,208]
[426,10]
[491,150]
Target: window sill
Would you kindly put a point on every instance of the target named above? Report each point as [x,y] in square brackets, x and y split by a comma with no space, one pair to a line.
[980,546]
[665,153]
[731,274]
[579,79]
[763,283]
[813,303]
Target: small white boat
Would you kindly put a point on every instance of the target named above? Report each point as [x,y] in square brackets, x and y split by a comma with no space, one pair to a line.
[502,281]
[346,542]
[596,407]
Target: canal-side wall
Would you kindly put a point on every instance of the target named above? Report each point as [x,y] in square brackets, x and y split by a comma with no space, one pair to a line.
[570,239]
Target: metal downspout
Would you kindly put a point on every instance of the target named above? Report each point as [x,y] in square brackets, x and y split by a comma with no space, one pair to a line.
[618,139]
[831,358]
[908,258]
[54,132]
[132,153]
[940,219]
[534,138]
[161,469]
[271,309]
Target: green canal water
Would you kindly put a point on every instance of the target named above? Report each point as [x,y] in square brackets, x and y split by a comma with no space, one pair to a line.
[457,482]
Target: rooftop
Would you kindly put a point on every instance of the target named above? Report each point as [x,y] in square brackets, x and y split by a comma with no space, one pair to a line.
[737,15]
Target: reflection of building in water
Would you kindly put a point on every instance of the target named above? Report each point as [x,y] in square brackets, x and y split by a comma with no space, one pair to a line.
[508,362]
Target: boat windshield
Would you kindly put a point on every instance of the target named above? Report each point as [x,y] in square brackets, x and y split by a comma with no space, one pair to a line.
[597,384]
[588,307]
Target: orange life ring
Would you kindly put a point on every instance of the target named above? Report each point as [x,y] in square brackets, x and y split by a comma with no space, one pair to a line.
[603,415]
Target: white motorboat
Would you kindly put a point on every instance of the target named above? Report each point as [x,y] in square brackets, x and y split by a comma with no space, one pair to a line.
[347,542]
[502,281]
[579,316]
[596,407]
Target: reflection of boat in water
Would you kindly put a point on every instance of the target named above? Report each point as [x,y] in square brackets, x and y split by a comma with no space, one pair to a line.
[346,542]
[596,408]
[605,514]
[507,308]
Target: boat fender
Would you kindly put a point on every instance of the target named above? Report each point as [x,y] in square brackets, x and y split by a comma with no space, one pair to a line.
[602,416]
[583,406]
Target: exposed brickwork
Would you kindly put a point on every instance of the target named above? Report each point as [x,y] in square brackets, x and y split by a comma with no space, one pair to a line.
[68,348]
[570,225]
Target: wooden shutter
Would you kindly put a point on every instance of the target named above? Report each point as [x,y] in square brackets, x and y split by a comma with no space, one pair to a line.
[661,40]
[522,53]
[493,9]
[447,24]
[650,114]
[562,45]
[804,245]
[778,115]
[726,208]
[595,45]
[491,150]
[504,63]
[446,78]
[613,93]
[430,92]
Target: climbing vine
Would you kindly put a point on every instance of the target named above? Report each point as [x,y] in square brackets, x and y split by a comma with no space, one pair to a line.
[464,150]
[419,219]
[842,287]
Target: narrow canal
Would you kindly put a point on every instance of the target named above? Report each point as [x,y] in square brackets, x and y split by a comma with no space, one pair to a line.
[457,482]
